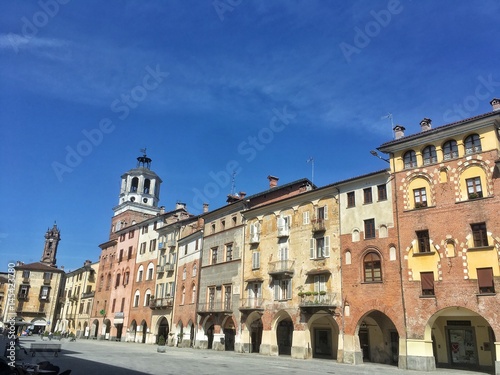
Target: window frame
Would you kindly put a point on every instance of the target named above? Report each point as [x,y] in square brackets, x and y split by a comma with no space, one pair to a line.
[367,195]
[472,144]
[485,280]
[351,199]
[410,159]
[423,241]
[420,197]
[450,150]
[382,192]
[369,229]
[479,234]
[429,155]
[375,267]
[427,284]
[474,187]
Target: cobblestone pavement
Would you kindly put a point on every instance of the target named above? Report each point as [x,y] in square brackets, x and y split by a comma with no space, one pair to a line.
[86,357]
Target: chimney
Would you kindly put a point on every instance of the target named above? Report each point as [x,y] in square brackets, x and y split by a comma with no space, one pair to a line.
[242,194]
[399,132]
[425,124]
[495,103]
[162,210]
[87,263]
[273,181]
[205,207]
[180,205]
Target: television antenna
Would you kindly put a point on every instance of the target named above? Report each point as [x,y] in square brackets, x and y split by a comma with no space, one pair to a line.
[311,160]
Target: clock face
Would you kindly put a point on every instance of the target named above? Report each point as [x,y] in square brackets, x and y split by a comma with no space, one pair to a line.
[145,200]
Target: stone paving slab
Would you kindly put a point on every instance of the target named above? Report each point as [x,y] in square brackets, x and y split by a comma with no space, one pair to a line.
[90,357]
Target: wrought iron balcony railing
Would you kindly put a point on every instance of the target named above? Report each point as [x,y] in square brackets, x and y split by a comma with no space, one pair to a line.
[281,267]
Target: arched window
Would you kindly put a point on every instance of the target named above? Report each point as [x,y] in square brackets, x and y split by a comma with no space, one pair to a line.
[429,155]
[410,159]
[472,144]
[140,273]
[147,185]
[184,274]
[150,274]
[355,235]
[135,184]
[101,283]
[183,295]
[372,267]
[194,270]
[450,150]
[347,257]
[117,281]
[147,298]
[108,282]
[193,294]
[137,297]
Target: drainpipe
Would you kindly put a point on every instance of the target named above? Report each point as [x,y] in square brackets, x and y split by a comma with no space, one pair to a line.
[342,299]
[395,190]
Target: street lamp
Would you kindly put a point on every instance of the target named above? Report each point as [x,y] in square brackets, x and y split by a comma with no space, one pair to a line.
[375,153]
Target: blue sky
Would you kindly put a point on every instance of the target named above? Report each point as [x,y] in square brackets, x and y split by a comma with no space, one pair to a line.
[209,87]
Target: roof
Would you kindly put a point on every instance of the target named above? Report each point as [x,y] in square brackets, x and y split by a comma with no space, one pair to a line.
[38,266]
[438,129]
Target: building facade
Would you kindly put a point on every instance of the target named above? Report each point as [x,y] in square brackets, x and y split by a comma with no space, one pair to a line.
[447,195]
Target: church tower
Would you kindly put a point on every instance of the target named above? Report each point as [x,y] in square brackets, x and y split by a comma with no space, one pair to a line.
[139,195]
[52,238]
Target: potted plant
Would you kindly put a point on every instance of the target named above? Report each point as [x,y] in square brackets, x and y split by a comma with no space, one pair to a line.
[308,293]
[322,293]
[301,294]
[161,348]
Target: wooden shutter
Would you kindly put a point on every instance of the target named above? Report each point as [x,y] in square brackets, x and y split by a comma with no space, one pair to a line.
[326,250]
[289,289]
[312,248]
[485,277]
[276,290]
[305,217]
[427,280]
[325,212]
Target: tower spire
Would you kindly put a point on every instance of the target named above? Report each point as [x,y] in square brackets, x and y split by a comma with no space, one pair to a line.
[52,238]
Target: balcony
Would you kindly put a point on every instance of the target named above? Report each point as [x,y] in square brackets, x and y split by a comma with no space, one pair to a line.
[318,301]
[88,295]
[44,299]
[283,230]
[254,238]
[160,268]
[169,267]
[46,281]
[318,225]
[281,267]
[22,297]
[73,298]
[251,304]
[171,243]
[215,307]
[161,303]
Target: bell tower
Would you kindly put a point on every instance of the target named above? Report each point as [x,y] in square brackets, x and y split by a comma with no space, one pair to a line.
[52,238]
[139,195]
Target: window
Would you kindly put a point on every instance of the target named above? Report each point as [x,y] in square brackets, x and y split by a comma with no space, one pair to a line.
[26,274]
[213,227]
[101,283]
[23,291]
[474,189]
[223,224]
[485,280]
[150,272]
[369,228]
[117,281]
[120,256]
[112,306]
[229,252]
[195,270]
[193,294]
[126,276]
[382,192]
[420,197]
[122,237]
[450,150]
[427,283]
[282,289]
[145,229]
[305,217]
[227,298]
[424,245]
[322,213]
[367,195]
[183,295]
[108,281]
[255,260]
[135,184]
[139,275]
[372,267]
[319,283]
[234,219]
[351,200]
[44,293]
[129,256]
[152,245]
[137,296]
[429,155]
[184,273]
[320,247]
[410,159]
[479,234]
[211,298]
[147,185]
[47,276]
[142,249]
[131,234]
[472,144]
[214,255]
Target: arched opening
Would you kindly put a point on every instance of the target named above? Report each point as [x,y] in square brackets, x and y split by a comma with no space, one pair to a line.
[106,328]
[229,334]
[95,329]
[144,327]
[210,336]
[461,339]
[378,339]
[163,329]
[133,330]
[134,185]
[324,335]
[147,185]
[284,334]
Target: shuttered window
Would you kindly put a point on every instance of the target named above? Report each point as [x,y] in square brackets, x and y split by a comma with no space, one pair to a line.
[485,280]
[427,281]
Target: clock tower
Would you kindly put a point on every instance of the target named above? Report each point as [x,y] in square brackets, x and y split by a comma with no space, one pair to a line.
[139,195]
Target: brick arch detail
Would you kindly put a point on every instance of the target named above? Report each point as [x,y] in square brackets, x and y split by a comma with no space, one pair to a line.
[475,160]
[413,175]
